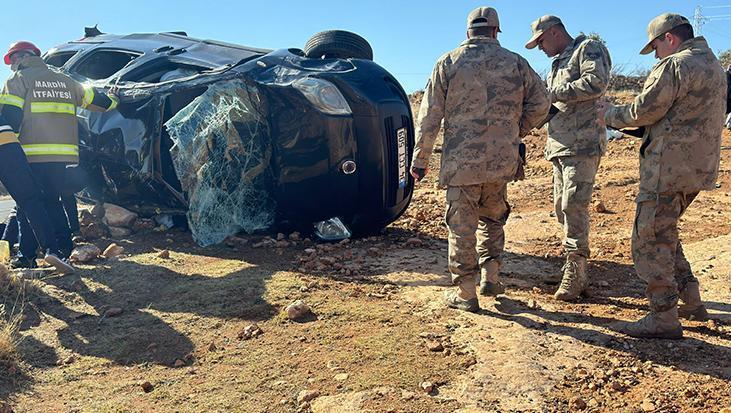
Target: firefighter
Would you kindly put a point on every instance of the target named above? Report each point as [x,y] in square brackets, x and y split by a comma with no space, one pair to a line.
[41,103]
[16,176]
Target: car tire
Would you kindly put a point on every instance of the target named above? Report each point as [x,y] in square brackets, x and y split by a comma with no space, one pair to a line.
[338,44]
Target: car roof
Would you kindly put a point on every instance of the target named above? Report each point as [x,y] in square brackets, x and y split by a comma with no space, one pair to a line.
[211,51]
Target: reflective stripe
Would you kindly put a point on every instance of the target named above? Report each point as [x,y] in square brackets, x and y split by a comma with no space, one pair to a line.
[6,99]
[53,107]
[37,149]
[88,97]
[114,104]
[8,137]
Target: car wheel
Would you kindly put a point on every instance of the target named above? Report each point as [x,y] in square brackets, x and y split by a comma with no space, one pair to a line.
[338,44]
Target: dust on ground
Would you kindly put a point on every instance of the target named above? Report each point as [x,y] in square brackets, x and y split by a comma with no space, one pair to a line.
[378,337]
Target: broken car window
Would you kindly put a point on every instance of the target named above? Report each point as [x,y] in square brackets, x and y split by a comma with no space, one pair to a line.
[104,63]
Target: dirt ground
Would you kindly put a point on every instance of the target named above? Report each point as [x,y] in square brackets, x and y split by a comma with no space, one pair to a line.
[379,334]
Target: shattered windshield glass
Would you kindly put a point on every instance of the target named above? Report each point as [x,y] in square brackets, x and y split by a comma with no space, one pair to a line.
[221,153]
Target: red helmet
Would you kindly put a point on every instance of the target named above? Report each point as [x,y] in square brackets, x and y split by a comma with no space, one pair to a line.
[19,47]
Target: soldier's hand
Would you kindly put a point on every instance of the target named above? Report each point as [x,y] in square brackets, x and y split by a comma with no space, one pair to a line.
[418,173]
[601,110]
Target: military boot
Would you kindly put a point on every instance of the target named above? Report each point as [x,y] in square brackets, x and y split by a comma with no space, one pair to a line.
[490,284]
[574,280]
[656,324]
[692,307]
[468,300]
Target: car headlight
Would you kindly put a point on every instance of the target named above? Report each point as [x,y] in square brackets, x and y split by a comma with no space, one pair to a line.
[324,95]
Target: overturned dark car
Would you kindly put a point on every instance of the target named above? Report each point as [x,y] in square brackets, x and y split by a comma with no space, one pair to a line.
[244,139]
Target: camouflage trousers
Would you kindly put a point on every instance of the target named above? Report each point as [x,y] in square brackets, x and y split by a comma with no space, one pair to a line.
[573,183]
[656,250]
[475,218]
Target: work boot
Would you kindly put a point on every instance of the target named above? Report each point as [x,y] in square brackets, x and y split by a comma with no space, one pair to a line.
[692,307]
[464,297]
[574,280]
[663,324]
[53,259]
[23,262]
[490,284]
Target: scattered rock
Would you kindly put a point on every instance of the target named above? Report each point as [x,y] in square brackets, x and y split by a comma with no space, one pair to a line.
[407,395]
[146,386]
[94,230]
[413,243]
[599,207]
[179,363]
[86,218]
[164,254]
[295,236]
[251,331]
[69,360]
[577,403]
[85,253]
[341,376]
[113,312]
[113,250]
[647,406]
[435,346]
[297,310]
[97,211]
[532,304]
[426,386]
[116,216]
[306,396]
[143,224]
[119,232]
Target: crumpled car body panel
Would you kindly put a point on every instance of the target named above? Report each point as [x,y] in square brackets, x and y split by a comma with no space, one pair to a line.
[128,152]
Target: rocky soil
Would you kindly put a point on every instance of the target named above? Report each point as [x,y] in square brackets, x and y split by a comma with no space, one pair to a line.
[282,324]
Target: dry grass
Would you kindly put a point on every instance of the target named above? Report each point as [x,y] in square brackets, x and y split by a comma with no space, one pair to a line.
[12,292]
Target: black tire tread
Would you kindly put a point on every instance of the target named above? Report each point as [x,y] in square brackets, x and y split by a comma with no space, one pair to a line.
[338,43]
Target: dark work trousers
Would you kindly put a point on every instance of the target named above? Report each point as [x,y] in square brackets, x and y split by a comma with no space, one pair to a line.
[72,212]
[18,178]
[10,232]
[51,178]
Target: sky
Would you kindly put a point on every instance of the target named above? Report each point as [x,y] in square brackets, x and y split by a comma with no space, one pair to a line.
[407,36]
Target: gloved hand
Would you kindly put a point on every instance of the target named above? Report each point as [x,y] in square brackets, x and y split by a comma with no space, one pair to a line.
[418,173]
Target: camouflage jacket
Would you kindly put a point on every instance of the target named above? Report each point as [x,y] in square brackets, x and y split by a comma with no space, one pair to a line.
[578,79]
[682,108]
[489,97]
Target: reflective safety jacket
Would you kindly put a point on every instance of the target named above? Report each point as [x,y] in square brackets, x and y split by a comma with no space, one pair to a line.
[40,104]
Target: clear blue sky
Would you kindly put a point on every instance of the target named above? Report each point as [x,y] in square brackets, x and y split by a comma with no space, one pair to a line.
[407,35]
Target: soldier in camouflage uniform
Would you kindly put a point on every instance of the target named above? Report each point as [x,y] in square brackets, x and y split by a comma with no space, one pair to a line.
[489,97]
[578,79]
[681,108]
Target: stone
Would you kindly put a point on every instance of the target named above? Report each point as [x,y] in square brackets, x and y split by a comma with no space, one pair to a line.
[113,250]
[306,396]
[119,232]
[116,216]
[426,386]
[179,363]
[97,211]
[647,406]
[297,310]
[86,218]
[164,254]
[600,208]
[577,403]
[341,376]
[295,236]
[532,304]
[143,224]
[251,331]
[435,346]
[94,230]
[113,312]
[146,386]
[407,395]
[413,243]
[85,253]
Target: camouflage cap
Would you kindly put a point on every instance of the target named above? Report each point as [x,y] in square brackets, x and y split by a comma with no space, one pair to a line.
[483,17]
[661,25]
[539,27]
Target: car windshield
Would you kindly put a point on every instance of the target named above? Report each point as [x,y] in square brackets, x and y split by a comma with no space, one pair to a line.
[102,64]
[162,70]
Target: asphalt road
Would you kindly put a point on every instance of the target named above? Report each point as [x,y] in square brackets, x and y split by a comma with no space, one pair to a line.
[6,204]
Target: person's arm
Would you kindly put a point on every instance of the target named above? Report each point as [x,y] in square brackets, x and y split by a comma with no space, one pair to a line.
[430,118]
[595,65]
[658,95]
[535,100]
[92,99]
[12,101]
